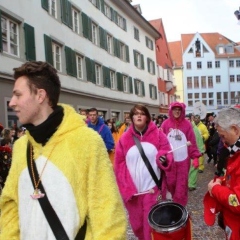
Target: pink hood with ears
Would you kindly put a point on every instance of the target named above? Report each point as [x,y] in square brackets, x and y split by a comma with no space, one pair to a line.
[177,104]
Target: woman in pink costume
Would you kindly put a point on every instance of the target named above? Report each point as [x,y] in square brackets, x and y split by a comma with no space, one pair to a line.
[136,185]
[179,132]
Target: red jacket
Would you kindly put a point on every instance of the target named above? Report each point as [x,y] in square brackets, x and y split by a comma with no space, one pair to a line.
[228,196]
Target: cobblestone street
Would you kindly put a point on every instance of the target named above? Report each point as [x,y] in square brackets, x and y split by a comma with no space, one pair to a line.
[195,208]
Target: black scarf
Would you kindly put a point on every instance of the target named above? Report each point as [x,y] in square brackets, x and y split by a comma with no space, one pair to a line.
[45,130]
[234,148]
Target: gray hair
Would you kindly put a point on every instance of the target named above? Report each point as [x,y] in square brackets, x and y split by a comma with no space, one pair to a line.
[228,117]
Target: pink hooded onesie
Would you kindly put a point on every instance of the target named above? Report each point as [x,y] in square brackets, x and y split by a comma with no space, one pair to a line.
[133,176]
[179,131]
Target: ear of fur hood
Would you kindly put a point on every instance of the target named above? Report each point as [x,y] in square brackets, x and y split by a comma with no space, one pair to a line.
[177,104]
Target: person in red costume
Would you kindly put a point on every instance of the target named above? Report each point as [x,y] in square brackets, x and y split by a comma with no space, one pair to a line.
[224,192]
[180,133]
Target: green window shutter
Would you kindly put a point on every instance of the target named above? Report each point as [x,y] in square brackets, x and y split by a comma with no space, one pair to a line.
[102,6]
[135,57]
[146,38]
[148,64]
[48,49]
[93,72]
[142,61]
[124,24]
[89,29]
[29,42]
[64,11]
[152,45]
[127,53]
[45,5]
[119,82]
[143,88]
[88,68]
[115,16]
[70,62]
[135,86]
[115,46]
[150,90]
[118,48]
[85,25]
[155,88]
[153,67]
[104,76]
[70,22]
[101,37]
[130,84]
[1,46]
[112,14]
[98,4]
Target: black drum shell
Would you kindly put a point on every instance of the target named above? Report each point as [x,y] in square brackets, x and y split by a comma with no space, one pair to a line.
[167,216]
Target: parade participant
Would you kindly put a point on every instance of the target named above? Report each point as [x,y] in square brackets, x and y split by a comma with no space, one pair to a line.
[179,131]
[60,160]
[137,187]
[192,178]
[115,136]
[97,124]
[205,135]
[211,129]
[223,193]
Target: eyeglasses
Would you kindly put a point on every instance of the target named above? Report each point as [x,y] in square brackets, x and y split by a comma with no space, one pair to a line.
[139,114]
[177,109]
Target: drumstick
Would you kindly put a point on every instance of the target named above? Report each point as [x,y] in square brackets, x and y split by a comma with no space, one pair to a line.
[188,143]
[141,193]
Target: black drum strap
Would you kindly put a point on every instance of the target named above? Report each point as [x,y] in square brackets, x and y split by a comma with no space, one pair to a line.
[147,163]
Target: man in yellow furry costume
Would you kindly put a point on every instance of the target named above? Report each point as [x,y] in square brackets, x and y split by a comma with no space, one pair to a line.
[72,165]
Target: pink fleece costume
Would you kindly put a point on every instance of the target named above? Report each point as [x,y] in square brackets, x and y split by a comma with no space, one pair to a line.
[179,132]
[133,176]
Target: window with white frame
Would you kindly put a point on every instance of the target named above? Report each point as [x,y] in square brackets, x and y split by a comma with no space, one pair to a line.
[188,65]
[237,63]
[218,79]
[209,64]
[196,95]
[203,82]
[125,84]
[217,64]
[190,95]
[120,21]
[189,82]
[199,65]
[122,51]
[149,43]
[136,33]
[238,78]
[94,2]
[112,80]
[94,33]
[210,82]
[10,36]
[98,74]
[75,20]
[231,63]
[57,56]
[190,103]
[109,44]
[107,11]
[196,82]
[232,78]
[139,88]
[79,60]
[204,95]
[53,8]
[138,59]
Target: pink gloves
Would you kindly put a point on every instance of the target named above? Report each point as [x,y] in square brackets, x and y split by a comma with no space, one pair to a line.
[195,163]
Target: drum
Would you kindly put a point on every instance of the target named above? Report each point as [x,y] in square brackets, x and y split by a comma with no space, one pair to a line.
[169,220]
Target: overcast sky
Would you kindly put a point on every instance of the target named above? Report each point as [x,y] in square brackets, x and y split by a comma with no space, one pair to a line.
[191,16]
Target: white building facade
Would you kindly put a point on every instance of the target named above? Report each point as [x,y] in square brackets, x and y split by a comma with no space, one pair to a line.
[211,72]
[104,51]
